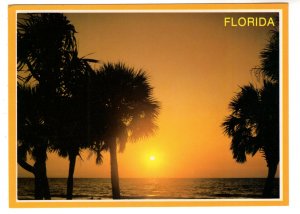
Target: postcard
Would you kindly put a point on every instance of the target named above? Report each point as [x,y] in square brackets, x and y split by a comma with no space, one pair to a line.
[139,105]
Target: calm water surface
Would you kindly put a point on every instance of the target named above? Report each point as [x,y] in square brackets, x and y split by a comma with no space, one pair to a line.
[136,188]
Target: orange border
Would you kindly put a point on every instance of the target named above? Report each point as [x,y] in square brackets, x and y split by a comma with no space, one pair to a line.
[13,203]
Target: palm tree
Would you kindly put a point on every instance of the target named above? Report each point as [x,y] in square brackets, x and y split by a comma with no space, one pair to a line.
[45,42]
[253,126]
[253,123]
[47,53]
[127,111]
[32,137]
[70,120]
[71,133]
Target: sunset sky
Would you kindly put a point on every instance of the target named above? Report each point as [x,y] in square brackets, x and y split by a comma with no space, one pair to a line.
[195,65]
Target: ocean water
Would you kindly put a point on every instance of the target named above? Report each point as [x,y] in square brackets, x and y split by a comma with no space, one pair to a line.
[156,188]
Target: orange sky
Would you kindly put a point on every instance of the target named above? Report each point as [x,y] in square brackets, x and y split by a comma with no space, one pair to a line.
[195,65]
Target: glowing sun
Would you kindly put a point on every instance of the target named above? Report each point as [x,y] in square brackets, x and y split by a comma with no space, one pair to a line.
[152,158]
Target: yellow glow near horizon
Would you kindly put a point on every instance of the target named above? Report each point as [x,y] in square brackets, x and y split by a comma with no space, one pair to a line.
[152,158]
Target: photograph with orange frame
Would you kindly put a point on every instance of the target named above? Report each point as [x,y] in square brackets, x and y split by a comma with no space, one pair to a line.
[144,105]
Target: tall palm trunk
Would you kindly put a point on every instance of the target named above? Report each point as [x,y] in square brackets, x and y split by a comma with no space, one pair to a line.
[114,170]
[47,195]
[269,185]
[72,162]
[38,186]
[41,180]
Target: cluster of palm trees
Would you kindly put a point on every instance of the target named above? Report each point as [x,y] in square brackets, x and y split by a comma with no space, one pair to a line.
[65,106]
[253,123]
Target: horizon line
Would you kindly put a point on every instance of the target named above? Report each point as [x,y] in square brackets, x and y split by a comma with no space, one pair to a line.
[154,177]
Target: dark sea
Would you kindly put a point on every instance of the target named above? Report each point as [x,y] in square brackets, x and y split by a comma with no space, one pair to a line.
[156,188]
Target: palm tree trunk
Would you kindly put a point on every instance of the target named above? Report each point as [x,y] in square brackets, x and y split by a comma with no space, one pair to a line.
[114,171]
[41,181]
[72,162]
[38,181]
[269,185]
[47,195]
[42,190]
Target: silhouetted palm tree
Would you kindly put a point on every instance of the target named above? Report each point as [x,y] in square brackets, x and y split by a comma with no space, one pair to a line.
[47,53]
[33,137]
[72,132]
[253,123]
[44,43]
[127,110]
[70,116]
